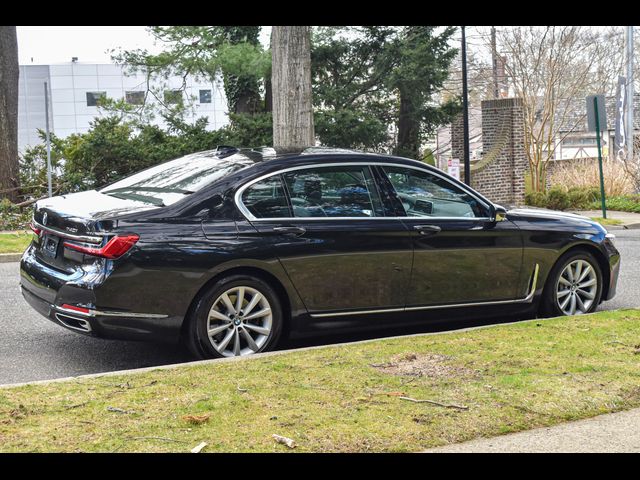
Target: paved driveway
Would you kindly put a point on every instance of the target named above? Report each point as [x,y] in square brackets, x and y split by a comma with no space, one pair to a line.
[33,348]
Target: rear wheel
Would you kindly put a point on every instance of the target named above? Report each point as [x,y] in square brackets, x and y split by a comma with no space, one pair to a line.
[237,316]
[574,285]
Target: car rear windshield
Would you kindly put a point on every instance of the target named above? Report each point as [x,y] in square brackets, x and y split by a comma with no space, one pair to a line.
[169,182]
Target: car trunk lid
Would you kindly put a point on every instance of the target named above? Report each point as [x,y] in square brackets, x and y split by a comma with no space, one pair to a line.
[85,218]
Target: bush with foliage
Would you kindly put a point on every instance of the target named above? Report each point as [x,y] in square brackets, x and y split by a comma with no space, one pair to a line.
[623,203]
[114,148]
[560,198]
[13,217]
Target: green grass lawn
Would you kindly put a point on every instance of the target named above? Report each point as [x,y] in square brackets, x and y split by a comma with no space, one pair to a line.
[485,382]
[607,221]
[14,242]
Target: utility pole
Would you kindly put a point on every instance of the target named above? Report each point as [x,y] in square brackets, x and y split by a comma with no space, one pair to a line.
[629,122]
[465,111]
[494,57]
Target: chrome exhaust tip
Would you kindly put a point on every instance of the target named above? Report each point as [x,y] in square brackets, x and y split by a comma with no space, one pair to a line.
[74,323]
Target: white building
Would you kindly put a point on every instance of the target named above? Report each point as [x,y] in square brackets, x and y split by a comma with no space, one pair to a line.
[75,87]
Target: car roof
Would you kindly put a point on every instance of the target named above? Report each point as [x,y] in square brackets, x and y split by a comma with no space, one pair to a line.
[267,158]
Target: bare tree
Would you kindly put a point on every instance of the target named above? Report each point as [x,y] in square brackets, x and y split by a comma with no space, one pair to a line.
[9,72]
[291,88]
[551,68]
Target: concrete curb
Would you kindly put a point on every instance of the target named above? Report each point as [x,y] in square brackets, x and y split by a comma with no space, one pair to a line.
[256,356]
[10,257]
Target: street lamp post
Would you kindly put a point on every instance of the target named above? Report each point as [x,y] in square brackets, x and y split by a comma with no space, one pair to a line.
[465,111]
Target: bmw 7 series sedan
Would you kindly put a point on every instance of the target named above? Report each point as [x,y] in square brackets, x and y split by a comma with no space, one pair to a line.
[231,249]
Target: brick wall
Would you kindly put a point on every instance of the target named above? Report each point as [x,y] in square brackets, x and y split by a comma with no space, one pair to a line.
[499,174]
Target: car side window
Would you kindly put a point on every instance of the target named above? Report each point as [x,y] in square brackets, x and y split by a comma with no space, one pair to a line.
[267,199]
[347,191]
[425,195]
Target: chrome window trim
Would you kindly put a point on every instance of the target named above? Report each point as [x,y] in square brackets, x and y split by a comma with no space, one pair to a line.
[60,233]
[250,217]
[528,299]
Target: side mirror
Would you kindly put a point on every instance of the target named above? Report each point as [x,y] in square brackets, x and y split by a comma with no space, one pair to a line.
[499,213]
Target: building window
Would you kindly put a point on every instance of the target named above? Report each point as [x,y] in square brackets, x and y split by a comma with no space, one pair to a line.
[134,98]
[173,97]
[579,142]
[205,96]
[94,97]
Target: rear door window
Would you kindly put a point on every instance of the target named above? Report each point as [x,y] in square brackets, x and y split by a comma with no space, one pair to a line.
[336,191]
[267,199]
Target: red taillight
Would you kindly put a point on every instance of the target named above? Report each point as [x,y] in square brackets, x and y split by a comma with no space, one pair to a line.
[116,247]
[35,229]
[75,309]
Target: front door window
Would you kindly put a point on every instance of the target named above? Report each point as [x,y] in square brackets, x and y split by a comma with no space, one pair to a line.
[423,194]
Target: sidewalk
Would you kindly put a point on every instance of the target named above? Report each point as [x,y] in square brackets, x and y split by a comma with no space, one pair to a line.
[614,432]
[629,220]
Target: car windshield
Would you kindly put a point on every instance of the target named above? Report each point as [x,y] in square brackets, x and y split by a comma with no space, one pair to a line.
[169,182]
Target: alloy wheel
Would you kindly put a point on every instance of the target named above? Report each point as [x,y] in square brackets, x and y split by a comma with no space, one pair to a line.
[577,287]
[239,322]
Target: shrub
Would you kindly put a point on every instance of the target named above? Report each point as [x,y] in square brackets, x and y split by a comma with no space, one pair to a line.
[13,217]
[558,199]
[581,198]
[536,199]
[623,203]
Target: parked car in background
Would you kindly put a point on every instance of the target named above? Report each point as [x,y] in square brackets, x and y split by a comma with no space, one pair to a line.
[228,250]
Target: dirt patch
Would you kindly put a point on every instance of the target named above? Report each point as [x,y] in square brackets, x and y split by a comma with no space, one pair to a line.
[431,365]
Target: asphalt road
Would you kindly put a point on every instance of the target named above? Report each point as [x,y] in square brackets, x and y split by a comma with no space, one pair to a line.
[33,348]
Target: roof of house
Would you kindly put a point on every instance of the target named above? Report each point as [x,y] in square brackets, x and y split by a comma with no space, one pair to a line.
[576,114]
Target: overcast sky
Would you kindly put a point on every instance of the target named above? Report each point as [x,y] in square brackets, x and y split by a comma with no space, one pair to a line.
[43,45]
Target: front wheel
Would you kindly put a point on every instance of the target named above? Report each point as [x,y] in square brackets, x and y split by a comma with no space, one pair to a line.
[237,316]
[574,285]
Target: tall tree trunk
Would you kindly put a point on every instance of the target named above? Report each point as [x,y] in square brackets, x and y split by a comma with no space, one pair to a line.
[291,88]
[268,95]
[408,128]
[9,72]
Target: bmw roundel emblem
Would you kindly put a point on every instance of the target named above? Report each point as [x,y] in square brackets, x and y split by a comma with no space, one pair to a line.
[44,218]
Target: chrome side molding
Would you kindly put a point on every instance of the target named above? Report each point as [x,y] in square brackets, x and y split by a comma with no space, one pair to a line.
[100,313]
[533,282]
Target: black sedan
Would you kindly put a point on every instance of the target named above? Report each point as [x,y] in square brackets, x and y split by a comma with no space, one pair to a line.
[228,250]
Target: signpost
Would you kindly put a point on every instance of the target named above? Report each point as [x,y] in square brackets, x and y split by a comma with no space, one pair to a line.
[453,168]
[597,122]
[620,143]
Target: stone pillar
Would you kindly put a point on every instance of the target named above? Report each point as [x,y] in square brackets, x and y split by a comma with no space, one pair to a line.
[499,175]
[457,138]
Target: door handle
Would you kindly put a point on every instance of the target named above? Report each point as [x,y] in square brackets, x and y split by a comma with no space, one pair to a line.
[427,229]
[292,230]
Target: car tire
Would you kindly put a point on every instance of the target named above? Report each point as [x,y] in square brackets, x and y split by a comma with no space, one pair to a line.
[247,331]
[563,293]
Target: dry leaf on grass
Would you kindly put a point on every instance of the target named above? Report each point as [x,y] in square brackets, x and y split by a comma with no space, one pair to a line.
[196,419]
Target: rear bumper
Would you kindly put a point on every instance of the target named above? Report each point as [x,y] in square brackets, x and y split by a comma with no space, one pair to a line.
[46,290]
